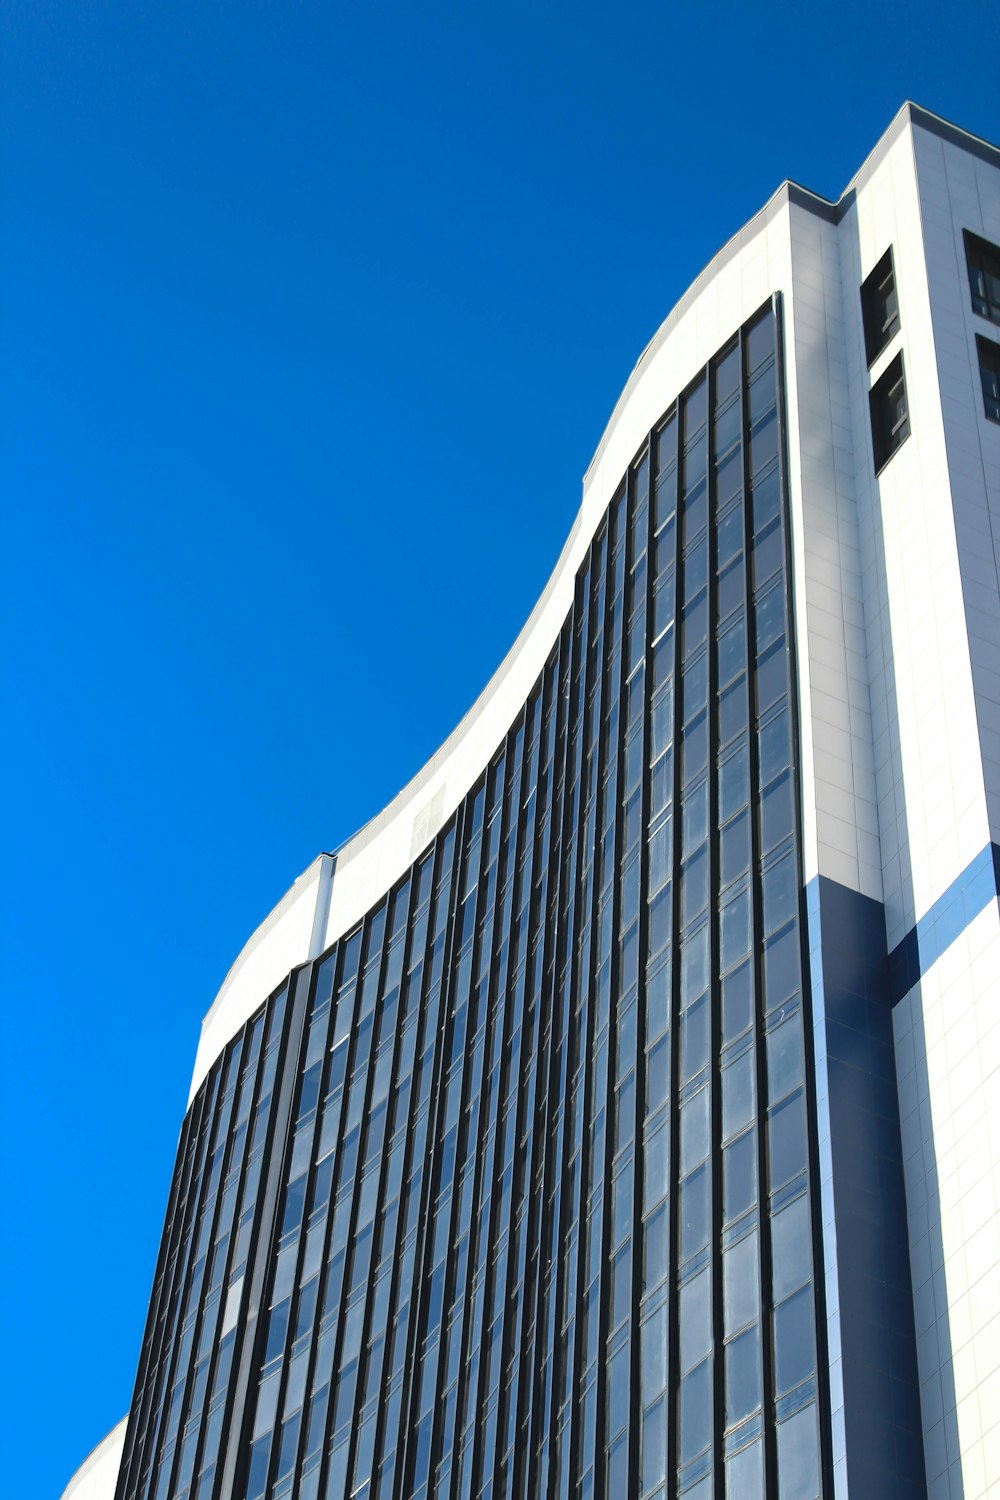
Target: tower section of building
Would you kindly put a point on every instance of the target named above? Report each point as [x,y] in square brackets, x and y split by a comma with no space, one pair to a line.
[614,1114]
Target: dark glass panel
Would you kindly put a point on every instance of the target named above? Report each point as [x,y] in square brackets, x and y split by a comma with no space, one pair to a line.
[787,1136]
[794,1340]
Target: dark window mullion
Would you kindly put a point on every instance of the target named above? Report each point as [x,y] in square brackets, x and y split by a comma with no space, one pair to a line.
[524,1452]
[223,1117]
[414,1332]
[636,1400]
[286,1357]
[470,1032]
[234,1448]
[378,1043]
[527,1087]
[770,1470]
[159,1406]
[156,1324]
[509,983]
[338,960]
[614,796]
[338,1196]
[237,1213]
[673,1342]
[420,1023]
[715,991]
[586,608]
[556,1144]
[491,1021]
[597,667]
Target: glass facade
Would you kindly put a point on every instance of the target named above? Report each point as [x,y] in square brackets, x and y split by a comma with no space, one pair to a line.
[513,1191]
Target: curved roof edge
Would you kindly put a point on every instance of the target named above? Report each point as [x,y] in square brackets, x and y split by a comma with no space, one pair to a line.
[97,1476]
[337,889]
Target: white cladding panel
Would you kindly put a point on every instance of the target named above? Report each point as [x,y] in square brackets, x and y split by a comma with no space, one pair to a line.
[97,1476]
[947,1038]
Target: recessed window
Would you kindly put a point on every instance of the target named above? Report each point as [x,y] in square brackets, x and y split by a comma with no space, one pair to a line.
[880,307]
[890,414]
[989,374]
[983,261]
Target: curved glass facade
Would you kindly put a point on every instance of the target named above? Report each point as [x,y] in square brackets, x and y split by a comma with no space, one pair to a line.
[513,1191]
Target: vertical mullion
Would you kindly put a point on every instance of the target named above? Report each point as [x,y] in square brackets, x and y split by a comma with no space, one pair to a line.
[673,1350]
[420,1025]
[415,1326]
[149,1458]
[715,965]
[337,1187]
[316,968]
[757,949]
[555,1152]
[372,1068]
[636,1402]
[583,659]
[130,1477]
[301,1246]
[524,1450]
[457,1077]
[587,1025]
[490,1022]
[467,1395]
[610,1133]
[337,957]
[527,1070]
[222,1116]
[232,1465]
[478,1457]
[237,1208]
[163,1283]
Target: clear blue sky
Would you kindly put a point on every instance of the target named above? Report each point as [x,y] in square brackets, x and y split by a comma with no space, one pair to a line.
[312,318]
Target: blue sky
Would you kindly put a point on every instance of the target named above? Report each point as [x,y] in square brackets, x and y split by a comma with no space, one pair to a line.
[312,318]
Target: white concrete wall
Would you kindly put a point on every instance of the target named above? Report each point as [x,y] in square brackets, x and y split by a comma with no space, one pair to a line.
[97,1476]
[928,528]
[292,933]
[957,192]
[947,1036]
[931,798]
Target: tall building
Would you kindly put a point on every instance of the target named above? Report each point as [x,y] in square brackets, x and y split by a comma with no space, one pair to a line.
[616,1114]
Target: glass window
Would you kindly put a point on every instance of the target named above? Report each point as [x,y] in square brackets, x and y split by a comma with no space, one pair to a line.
[798,1455]
[787,1131]
[739,1175]
[791,1248]
[737,1095]
[694,1130]
[745,1474]
[654,1353]
[784,1057]
[741,1284]
[695,1315]
[694,1039]
[696,1411]
[983,262]
[695,1212]
[734,850]
[737,1002]
[743,1376]
[879,307]
[889,413]
[794,1340]
[989,375]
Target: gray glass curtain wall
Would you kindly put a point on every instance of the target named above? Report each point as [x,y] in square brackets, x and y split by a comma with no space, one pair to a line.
[513,1191]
